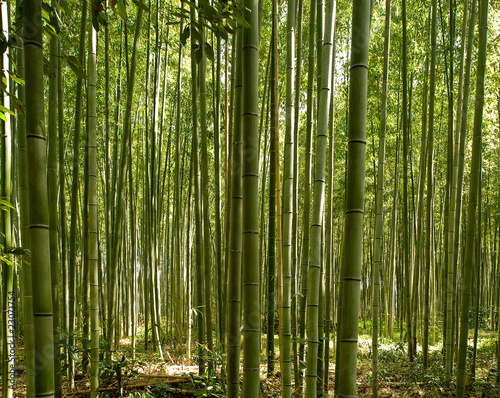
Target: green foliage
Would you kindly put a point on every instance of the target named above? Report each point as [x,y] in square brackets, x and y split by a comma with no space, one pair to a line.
[141,5]
[121,10]
[122,368]
[483,317]
[6,252]
[142,394]
[75,66]
[207,385]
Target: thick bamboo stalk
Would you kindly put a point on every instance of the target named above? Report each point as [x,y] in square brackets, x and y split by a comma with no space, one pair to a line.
[24,224]
[250,200]
[353,231]
[235,238]
[38,199]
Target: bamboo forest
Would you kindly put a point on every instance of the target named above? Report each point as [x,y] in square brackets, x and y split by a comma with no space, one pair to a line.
[256,198]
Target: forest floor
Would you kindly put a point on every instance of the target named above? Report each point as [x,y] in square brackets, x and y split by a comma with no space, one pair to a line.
[149,376]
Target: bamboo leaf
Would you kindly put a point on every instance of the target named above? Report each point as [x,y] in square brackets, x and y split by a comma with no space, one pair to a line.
[18,251]
[6,260]
[241,20]
[122,11]
[18,105]
[196,34]
[198,54]
[185,35]
[75,66]
[18,79]
[209,52]
[141,5]
[95,21]
[46,7]
[102,18]
[178,14]
[231,25]
[3,109]
[63,5]
[97,5]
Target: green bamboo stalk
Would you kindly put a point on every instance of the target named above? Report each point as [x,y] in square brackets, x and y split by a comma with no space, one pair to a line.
[329,239]
[133,254]
[307,187]
[188,261]
[449,163]
[295,221]
[353,231]
[198,216]
[111,186]
[74,199]
[285,354]
[274,104]
[393,247]
[6,239]
[107,159]
[177,186]
[38,199]
[62,208]
[459,183]
[53,203]
[379,212]
[473,196]
[406,232]
[264,127]
[419,227]
[430,160]
[478,265]
[207,262]
[120,187]
[315,261]
[84,282]
[24,223]
[149,235]
[235,238]
[218,227]
[93,210]
[498,272]
[457,139]
[250,201]
[420,254]
[228,144]
[153,189]
[271,231]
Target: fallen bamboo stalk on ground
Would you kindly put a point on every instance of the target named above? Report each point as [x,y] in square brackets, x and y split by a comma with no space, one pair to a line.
[177,380]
